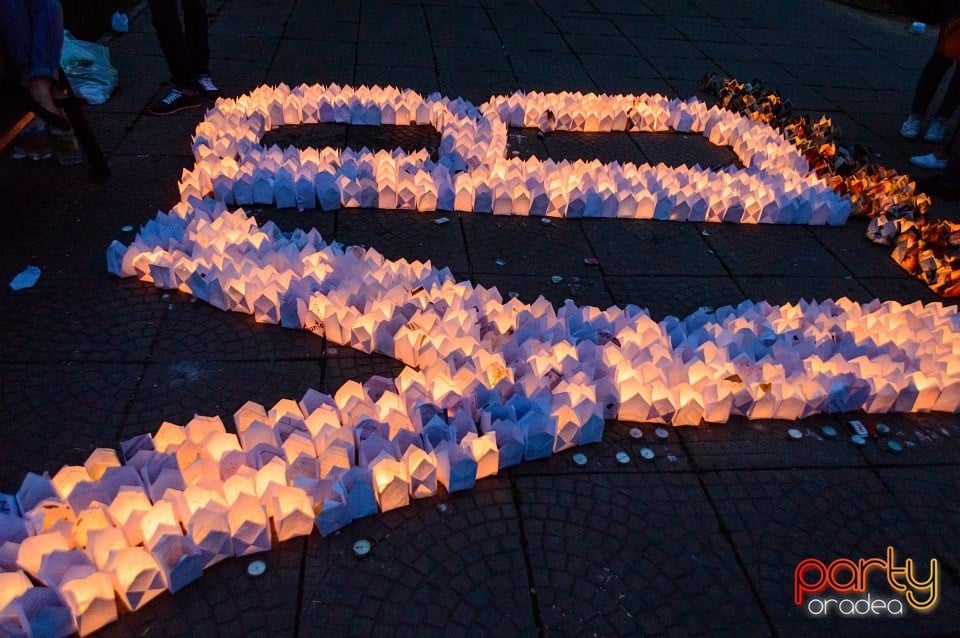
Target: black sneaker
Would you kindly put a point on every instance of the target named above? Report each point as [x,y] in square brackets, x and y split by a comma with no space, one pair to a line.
[175,100]
[208,90]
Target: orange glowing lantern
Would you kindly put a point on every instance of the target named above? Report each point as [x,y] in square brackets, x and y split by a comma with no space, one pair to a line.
[249,526]
[136,576]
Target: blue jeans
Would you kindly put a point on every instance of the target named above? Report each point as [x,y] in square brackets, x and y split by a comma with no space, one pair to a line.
[185,45]
[33,31]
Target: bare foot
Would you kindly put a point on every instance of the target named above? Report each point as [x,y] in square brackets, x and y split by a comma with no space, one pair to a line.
[41,90]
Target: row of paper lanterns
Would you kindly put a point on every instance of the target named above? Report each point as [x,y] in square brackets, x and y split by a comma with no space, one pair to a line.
[510,187]
[473,172]
[359,298]
[189,496]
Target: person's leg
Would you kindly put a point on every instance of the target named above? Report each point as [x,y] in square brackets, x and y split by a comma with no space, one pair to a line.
[927,85]
[173,43]
[46,28]
[15,29]
[196,26]
[929,81]
[951,99]
[166,21]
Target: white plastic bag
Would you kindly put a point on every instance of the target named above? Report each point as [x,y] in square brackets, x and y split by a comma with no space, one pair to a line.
[88,68]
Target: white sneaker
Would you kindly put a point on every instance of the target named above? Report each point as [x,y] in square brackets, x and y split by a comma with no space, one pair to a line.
[911,127]
[930,161]
[937,131]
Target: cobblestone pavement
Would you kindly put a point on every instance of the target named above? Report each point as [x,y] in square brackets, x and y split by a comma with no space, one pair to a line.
[702,539]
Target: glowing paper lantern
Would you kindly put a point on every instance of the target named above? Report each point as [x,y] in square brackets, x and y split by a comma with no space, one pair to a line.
[456,470]
[160,472]
[180,561]
[290,511]
[209,529]
[188,502]
[332,513]
[93,518]
[34,549]
[357,486]
[169,437]
[243,481]
[12,585]
[40,611]
[91,599]
[137,577]
[422,470]
[249,526]
[67,479]
[99,460]
[88,593]
[483,450]
[157,522]
[35,490]
[391,482]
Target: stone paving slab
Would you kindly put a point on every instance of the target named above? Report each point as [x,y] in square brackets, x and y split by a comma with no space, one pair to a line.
[195,331]
[928,498]
[930,440]
[862,258]
[743,444]
[590,289]
[446,566]
[298,61]
[614,555]
[162,136]
[652,248]
[406,234]
[606,147]
[141,185]
[685,149]
[24,176]
[777,519]
[55,414]
[177,391]
[766,250]
[141,75]
[59,319]
[226,601]
[48,243]
[526,246]
[111,128]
